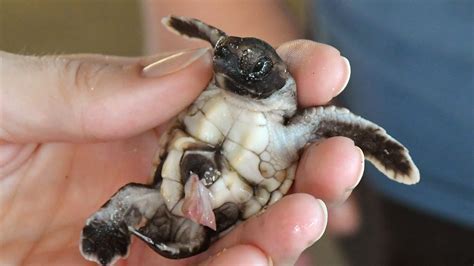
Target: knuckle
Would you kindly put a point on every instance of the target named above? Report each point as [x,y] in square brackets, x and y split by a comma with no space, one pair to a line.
[84,75]
[80,78]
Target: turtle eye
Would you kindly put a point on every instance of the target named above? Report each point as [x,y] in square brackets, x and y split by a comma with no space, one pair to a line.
[261,69]
[263,66]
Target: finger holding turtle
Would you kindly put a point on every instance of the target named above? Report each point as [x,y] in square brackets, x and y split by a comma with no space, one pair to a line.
[321,73]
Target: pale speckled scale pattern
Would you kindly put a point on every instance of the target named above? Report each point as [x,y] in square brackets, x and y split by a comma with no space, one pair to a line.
[253,174]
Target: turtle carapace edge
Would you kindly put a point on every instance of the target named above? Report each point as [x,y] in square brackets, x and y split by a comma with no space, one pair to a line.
[229,155]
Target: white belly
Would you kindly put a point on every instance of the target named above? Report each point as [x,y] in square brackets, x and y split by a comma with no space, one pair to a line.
[254,173]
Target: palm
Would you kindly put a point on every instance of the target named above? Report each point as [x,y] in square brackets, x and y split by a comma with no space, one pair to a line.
[60,185]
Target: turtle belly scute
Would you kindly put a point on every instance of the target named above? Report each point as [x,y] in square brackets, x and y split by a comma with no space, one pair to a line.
[241,143]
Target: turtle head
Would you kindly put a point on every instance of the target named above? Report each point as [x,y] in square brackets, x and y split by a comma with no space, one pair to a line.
[248,67]
[244,66]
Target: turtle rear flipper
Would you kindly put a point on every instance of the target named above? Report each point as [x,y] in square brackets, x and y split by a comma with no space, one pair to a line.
[140,210]
[193,28]
[388,155]
[177,237]
[172,236]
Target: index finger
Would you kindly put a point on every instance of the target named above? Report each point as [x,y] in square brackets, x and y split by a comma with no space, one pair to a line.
[320,71]
[331,169]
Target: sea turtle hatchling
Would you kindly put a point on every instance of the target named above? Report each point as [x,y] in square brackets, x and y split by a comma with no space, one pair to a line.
[227,157]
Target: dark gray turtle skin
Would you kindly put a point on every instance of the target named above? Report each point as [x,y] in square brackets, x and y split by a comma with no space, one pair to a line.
[231,154]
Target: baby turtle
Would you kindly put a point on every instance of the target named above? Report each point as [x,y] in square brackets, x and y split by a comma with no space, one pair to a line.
[231,154]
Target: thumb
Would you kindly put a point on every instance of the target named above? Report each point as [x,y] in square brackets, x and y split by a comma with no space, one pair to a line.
[93,97]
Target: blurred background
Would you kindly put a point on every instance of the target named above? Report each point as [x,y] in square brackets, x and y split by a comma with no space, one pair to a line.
[71,26]
[39,27]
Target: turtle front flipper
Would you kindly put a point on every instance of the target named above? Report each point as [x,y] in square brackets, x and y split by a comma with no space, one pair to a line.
[193,28]
[140,210]
[106,237]
[387,154]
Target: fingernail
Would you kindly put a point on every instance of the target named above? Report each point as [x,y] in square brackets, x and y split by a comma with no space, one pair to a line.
[173,63]
[361,169]
[347,72]
[324,209]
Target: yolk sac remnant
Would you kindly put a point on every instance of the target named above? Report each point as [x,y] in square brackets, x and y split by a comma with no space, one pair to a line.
[230,155]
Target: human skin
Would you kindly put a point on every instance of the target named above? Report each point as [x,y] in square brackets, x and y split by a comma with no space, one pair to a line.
[76,128]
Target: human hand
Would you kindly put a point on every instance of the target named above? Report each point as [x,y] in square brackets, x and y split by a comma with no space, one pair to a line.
[76,128]
[73,130]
